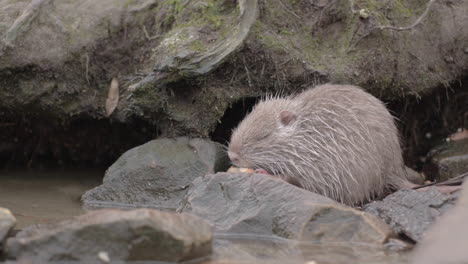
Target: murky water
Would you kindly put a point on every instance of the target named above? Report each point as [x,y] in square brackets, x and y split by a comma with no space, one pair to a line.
[47,197]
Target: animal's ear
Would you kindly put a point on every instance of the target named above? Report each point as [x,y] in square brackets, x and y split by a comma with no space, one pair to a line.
[286,117]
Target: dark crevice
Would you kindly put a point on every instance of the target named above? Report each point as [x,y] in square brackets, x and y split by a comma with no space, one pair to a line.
[426,122]
[231,118]
[38,142]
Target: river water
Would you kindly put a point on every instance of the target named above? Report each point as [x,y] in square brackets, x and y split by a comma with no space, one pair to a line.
[45,196]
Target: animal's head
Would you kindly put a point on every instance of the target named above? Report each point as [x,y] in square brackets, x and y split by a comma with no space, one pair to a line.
[267,127]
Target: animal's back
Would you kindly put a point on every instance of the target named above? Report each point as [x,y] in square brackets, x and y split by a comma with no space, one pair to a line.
[352,143]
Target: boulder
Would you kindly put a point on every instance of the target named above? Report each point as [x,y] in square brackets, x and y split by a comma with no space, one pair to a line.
[156,174]
[448,160]
[411,212]
[264,205]
[112,234]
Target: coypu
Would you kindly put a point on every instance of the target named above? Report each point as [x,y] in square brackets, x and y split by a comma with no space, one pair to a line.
[335,140]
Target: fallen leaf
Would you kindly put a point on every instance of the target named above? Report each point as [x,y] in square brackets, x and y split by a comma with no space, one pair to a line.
[112,97]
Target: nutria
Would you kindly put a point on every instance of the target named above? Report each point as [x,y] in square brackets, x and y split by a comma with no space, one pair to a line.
[335,140]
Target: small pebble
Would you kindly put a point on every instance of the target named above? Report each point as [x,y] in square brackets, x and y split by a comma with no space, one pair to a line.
[104,256]
[449,59]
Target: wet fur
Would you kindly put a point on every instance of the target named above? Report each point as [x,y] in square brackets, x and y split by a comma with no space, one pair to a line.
[342,143]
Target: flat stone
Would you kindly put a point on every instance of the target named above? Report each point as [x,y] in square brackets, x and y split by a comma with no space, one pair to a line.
[141,234]
[156,174]
[264,205]
[446,241]
[7,222]
[411,212]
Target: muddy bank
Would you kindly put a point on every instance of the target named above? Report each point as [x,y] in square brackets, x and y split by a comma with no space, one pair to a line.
[180,65]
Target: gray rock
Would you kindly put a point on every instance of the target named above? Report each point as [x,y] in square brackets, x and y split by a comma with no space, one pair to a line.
[448,161]
[7,222]
[142,234]
[411,212]
[447,240]
[263,205]
[156,174]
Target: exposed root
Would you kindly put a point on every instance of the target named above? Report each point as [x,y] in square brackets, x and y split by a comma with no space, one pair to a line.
[390,27]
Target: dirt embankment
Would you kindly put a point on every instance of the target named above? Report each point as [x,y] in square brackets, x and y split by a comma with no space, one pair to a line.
[181,64]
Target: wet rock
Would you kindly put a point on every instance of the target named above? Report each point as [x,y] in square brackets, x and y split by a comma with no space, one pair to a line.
[448,161]
[142,234]
[156,174]
[411,212]
[446,241]
[7,221]
[260,204]
[253,250]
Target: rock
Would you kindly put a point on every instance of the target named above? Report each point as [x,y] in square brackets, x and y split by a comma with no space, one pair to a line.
[142,234]
[411,212]
[264,205]
[156,174]
[446,241]
[7,222]
[448,161]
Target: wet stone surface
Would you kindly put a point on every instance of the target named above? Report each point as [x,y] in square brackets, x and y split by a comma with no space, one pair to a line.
[411,212]
[263,205]
[142,234]
[448,161]
[156,174]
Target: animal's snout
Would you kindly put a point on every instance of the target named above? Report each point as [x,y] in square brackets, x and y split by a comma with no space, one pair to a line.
[234,157]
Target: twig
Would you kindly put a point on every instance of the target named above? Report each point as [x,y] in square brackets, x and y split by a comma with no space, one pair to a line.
[23,22]
[248,73]
[351,6]
[87,68]
[454,180]
[148,36]
[289,11]
[420,18]
[417,22]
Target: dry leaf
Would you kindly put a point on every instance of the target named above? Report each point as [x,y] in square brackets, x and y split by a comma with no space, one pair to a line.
[112,97]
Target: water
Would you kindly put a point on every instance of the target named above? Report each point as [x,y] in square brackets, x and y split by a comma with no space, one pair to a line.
[52,196]
[45,197]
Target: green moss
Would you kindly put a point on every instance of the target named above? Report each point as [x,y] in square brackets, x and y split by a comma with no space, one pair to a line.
[197,45]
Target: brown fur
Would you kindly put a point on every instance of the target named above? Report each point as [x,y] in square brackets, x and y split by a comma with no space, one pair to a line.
[335,140]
